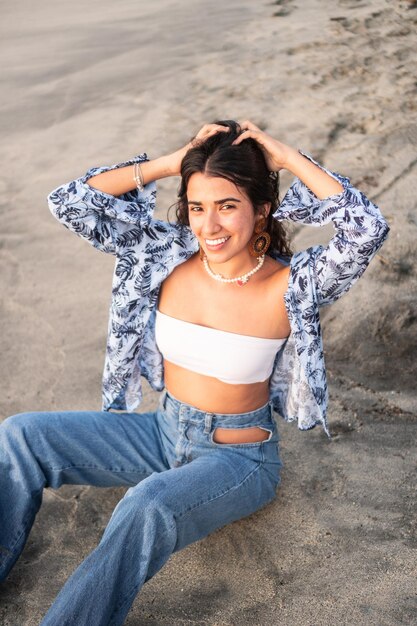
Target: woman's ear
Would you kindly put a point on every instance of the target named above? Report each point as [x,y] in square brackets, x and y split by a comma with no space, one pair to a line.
[266,207]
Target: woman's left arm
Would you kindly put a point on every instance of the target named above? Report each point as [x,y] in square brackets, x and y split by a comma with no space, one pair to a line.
[316,197]
[319,196]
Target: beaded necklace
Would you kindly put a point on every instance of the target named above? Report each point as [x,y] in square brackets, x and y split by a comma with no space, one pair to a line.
[240,280]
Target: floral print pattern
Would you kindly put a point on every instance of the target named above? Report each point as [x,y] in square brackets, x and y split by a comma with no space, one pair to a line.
[147,250]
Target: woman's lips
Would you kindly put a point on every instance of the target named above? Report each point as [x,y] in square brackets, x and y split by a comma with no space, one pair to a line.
[217,246]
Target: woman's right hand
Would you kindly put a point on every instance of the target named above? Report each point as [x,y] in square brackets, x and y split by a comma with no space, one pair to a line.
[174,159]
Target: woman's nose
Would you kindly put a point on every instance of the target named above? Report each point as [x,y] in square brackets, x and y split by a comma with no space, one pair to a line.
[211,225]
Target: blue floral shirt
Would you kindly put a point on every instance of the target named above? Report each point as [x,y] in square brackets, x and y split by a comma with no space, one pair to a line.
[147,250]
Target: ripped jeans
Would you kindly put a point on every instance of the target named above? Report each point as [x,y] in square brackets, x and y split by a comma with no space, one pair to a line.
[183,485]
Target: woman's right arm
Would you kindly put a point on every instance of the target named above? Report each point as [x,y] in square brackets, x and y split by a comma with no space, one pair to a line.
[117,182]
[105,207]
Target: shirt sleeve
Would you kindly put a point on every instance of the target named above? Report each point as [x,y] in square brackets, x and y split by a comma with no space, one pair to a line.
[109,223]
[360,230]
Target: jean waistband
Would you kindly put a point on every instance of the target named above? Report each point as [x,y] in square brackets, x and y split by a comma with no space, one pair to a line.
[187,411]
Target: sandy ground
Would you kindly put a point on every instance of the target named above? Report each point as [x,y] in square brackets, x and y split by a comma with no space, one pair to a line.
[93,83]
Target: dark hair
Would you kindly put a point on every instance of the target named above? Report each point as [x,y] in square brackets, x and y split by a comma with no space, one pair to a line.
[245,166]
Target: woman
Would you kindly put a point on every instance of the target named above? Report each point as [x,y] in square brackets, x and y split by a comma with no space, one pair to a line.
[215,312]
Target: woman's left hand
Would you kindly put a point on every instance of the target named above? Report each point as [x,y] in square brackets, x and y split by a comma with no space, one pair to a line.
[276,153]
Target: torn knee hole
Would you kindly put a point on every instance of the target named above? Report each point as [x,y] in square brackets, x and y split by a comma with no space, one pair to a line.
[252,434]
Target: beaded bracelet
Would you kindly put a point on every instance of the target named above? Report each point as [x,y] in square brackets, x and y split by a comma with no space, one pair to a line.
[137,177]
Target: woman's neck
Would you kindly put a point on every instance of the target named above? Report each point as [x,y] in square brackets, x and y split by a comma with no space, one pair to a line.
[238,265]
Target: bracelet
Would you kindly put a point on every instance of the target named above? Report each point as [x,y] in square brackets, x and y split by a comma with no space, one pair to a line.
[138,177]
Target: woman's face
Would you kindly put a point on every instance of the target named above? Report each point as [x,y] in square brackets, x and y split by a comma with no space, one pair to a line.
[221,216]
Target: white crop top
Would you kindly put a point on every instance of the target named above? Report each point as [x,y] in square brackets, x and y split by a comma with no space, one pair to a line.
[232,358]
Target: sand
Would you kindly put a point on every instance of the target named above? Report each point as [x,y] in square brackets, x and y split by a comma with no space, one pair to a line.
[94,83]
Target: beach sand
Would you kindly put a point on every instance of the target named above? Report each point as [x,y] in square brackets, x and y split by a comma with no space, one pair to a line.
[87,84]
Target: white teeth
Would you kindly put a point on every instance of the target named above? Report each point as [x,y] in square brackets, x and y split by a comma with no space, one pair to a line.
[215,242]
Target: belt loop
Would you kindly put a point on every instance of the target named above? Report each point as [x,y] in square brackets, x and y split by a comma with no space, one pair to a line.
[207,422]
[182,414]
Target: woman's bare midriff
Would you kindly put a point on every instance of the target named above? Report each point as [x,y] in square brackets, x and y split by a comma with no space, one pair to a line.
[211,395]
[258,310]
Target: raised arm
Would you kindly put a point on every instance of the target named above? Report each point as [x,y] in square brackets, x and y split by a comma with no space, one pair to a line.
[360,227]
[316,197]
[321,184]
[119,181]
[105,207]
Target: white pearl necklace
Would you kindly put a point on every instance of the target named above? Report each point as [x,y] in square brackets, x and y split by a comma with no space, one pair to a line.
[240,280]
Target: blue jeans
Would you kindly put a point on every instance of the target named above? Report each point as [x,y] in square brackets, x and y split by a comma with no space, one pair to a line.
[182,486]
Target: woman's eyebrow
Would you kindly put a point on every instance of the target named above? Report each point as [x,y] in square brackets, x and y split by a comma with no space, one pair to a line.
[215,202]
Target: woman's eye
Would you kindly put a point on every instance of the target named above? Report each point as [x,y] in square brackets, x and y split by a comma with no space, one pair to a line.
[197,209]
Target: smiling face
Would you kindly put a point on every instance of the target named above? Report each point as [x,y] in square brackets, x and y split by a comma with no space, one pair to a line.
[221,216]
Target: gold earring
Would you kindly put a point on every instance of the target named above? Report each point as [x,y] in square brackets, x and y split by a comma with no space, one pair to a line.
[260,240]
